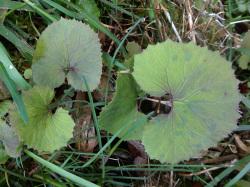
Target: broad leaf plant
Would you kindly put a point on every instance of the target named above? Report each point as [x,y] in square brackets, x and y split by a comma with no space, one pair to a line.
[194,90]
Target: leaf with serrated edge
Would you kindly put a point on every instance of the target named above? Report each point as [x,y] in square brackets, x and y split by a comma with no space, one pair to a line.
[122,110]
[9,139]
[45,131]
[205,99]
[68,49]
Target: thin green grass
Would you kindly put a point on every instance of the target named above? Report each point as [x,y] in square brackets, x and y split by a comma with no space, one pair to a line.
[77,180]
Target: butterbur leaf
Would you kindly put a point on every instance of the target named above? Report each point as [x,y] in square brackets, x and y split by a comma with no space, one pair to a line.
[203,91]
[122,110]
[46,130]
[68,49]
[9,139]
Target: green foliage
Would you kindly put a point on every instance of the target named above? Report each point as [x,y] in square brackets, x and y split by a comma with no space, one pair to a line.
[204,103]
[47,130]
[90,7]
[28,73]
[122,110]
[133,48]
[245,52]
[12,80]
[68,49]
[243,6]
[11,70]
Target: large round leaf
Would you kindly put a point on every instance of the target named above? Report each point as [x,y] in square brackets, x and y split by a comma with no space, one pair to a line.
[204,100]
[46,130]
[68,49]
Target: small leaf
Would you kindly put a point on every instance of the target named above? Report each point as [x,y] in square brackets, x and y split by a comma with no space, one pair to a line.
[4,107]
[122,110]
[243,61]
[9,139]
[245,49]
[28,73]
[46,131]
[204,95]
[246,41]
[90,7]
[68,49]
[133,48]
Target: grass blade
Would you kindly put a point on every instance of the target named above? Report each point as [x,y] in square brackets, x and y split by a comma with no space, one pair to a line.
[11,70]
[227,171]
[25,49]
[239,176]
[14,93]
[13,5]
[77,180]
[40,11]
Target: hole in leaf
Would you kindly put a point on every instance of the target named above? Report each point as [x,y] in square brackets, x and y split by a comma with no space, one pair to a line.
[158,105]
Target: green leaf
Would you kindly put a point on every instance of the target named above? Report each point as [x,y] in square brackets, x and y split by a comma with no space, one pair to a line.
[243,61]
[90,7]
[46,130]
[122,110]
[203,92]
[133,48]
[28,73]
[68,49]
[245,49]
[4,107]
[9,139]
